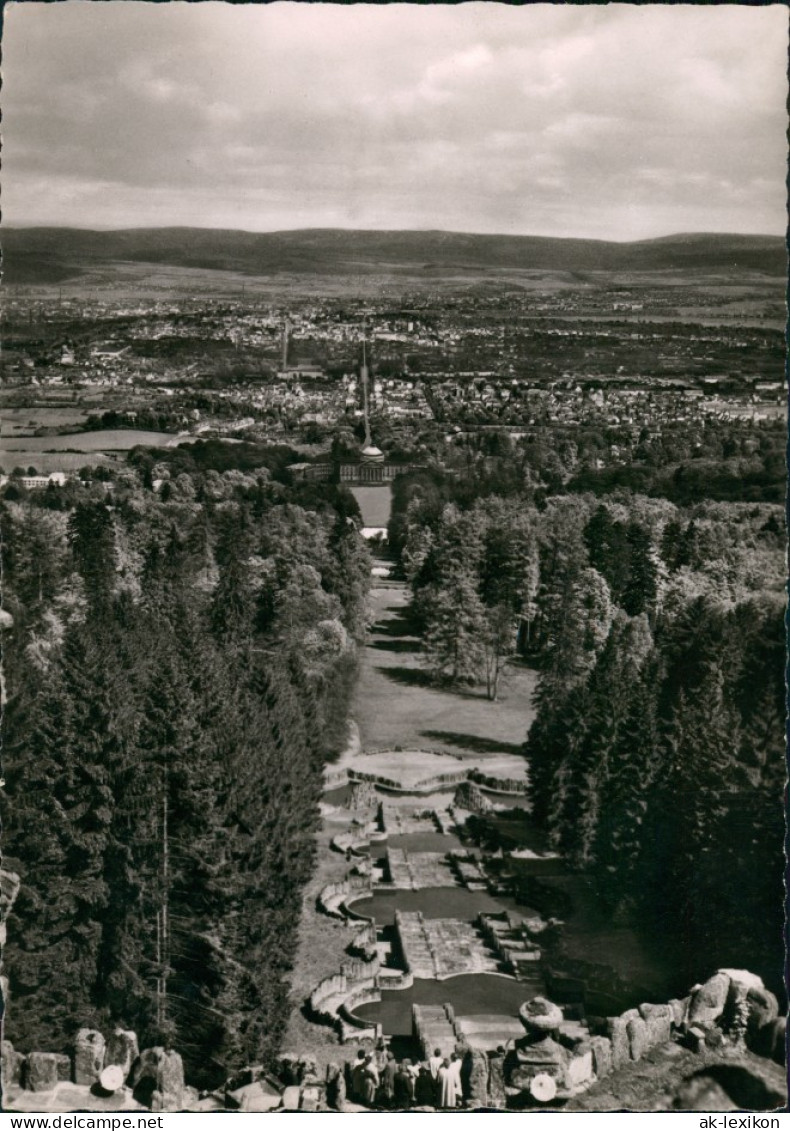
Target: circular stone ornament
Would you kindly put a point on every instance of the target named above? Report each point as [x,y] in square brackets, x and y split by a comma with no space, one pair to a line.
[111,1078]
[543,1088]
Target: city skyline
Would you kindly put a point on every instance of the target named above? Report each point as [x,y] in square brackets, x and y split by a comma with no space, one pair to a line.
[621,122]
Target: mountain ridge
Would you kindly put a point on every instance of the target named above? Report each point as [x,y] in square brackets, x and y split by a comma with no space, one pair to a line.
[32,254]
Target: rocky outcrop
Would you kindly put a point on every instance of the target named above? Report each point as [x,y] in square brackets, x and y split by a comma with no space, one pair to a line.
[708,1000]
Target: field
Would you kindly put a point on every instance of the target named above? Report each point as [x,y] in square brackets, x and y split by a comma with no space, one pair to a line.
[104,439]
[75,450]
[47,462]
[25,421]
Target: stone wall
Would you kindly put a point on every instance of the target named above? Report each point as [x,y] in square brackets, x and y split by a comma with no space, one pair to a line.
[332,897]
[334,997]
[154,1077]
[732,1007]
[500,785]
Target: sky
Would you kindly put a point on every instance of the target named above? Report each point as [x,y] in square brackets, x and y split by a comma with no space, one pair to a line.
[605,121]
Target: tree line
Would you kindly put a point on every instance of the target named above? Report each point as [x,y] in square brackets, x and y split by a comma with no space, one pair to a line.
[178,674]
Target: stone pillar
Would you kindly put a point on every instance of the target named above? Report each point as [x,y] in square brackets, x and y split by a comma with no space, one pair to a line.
[335,1087]
[476,1063]
[496,1081]
[122,1049]
[616,1031]
[159,1080]
[602,1056]
[658,1020]
[12,1064]
[43,1071]
[88,1056]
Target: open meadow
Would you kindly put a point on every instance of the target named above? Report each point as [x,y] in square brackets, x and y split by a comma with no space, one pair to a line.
[462,723]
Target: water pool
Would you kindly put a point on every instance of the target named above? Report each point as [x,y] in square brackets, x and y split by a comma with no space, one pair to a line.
[428,841]
[469,994]
[435,903]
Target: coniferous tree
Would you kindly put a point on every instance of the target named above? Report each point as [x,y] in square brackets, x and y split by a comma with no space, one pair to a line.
[92,540]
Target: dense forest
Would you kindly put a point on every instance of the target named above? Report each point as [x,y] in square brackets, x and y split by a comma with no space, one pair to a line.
[178,671]
[656,758]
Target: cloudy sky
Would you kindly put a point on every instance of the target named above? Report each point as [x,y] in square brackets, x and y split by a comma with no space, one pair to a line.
[609,121]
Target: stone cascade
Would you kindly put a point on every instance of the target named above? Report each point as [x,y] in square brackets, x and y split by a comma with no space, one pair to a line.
[412,871]
[433,1028]
[358,841]
[399,822]
[509,937]
[442,948]
[362,794]
[469,798]
[505,787]
[554,1057]
[469,871]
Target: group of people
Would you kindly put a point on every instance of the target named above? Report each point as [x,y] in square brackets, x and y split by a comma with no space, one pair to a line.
[379,1080]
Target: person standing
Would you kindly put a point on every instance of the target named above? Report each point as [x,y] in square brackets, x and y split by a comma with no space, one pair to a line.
[455,1070]
[424,1087]
[404,1085]
[358,1077]
[446,1079]
[388,1076]
[434,1064]
[370,1076]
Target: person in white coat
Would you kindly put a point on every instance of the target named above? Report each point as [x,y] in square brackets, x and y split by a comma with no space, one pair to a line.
[434,1064]
[448,1094]
[455,1071]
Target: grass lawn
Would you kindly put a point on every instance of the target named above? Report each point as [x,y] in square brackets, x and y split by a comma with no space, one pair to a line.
[395,705]
[375,503]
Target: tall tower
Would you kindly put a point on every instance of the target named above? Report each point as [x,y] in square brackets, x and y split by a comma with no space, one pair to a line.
[370,453]
[364,376]
[286,329]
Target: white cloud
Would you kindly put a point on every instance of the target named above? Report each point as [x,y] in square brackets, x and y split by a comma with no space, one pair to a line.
[588,119]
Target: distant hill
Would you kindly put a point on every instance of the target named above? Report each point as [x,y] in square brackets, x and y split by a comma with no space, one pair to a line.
[47,255]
